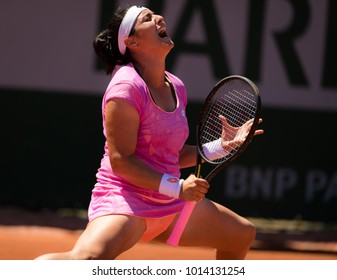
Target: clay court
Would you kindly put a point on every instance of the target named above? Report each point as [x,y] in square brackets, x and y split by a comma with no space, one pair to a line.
[25,235]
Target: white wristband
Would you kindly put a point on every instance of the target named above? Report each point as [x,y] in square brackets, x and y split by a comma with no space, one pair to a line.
[213,150]
[170,185]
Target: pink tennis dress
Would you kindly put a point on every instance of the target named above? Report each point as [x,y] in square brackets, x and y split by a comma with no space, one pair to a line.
[160,138]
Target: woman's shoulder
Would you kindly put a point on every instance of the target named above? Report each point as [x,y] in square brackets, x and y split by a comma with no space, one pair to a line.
[126,84]
[126,76]
[125,73]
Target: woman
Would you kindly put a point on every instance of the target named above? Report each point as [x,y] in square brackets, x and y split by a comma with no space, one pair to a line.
[139,192]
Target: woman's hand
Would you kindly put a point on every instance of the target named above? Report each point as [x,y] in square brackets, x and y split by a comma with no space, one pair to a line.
[232,137]
[193,188]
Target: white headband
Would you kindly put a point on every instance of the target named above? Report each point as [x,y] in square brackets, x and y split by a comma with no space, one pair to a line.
[126,26]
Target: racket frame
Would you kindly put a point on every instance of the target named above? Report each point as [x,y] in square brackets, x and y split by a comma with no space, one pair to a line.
[225,161]
[174,238]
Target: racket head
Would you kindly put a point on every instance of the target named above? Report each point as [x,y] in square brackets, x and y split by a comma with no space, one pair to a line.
[237,99]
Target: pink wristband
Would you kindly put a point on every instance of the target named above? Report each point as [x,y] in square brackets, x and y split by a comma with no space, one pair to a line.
[170,185]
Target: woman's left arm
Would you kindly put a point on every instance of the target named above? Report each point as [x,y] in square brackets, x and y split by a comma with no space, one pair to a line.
[187,155]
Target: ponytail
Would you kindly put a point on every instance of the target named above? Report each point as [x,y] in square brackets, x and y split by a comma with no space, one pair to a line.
[106,44]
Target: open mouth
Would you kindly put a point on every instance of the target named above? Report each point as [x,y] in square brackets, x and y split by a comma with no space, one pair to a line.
[162,33]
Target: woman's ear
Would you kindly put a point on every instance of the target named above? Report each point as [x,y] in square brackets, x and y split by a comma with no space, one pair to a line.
[130,43]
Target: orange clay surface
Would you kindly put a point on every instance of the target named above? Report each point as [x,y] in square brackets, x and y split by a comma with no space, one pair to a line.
[26,235]
[28,242]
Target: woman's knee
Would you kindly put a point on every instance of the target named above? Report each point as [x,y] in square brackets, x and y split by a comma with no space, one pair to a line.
[249,232]
[246,235]
[238,247]
[108,236]
[241,238]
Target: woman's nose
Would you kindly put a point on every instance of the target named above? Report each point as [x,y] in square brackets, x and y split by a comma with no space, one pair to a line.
[159,19]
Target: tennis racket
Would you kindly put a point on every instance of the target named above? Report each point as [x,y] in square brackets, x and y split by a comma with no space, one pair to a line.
[227,122]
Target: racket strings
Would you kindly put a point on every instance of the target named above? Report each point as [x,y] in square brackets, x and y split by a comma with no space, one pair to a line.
[238,106]
[243,105]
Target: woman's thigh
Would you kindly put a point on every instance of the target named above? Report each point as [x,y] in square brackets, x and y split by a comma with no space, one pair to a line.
[213,225]
[108,236]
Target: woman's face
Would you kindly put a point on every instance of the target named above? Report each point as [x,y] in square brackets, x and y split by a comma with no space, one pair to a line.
[150,33]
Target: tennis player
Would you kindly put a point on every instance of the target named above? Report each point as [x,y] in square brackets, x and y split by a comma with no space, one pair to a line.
[139,192]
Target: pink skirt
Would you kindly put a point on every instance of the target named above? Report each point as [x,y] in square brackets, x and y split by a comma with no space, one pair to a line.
[159,211]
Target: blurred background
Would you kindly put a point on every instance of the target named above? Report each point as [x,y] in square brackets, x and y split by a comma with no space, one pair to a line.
[51,87]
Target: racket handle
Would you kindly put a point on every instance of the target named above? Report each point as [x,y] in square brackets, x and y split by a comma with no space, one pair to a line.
[179,227]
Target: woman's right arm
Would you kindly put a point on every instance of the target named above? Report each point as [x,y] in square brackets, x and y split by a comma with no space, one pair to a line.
[121,125]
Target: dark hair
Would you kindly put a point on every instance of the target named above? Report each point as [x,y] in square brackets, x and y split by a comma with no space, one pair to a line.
[106,43]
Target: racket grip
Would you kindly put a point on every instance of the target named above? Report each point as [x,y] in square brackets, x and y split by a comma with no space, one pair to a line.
[179,227]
